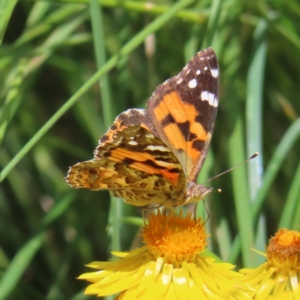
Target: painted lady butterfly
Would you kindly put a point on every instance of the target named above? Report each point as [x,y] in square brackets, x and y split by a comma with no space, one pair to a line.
[154,155]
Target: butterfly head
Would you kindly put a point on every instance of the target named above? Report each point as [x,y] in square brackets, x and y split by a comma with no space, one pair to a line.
[196,192]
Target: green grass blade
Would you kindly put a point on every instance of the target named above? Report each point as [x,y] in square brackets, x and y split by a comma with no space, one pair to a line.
[19,264]
[24,256]
[13,86]
[213,22]
[37,13]
[288,219]
[154,9]
[56,17]
[108,114]
[254,107]
[289,35]
[285,145]
[281,152]
[254,102]
[6,9]
[98,36]
[240,188]
[292,196]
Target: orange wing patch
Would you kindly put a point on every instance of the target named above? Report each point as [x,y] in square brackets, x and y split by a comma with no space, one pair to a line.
[146,163]
[179,129]
[182,113]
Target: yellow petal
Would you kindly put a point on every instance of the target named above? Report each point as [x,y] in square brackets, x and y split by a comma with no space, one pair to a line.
[167,274]
[110,288]
[149,275]
[280,287]
[119,254]
[180,284]
[253,276]
[159,286]
[171,294]
[265,290]
[209,281]
[195,291]
[195,274]
[117,282]
[130,294]
[155,289]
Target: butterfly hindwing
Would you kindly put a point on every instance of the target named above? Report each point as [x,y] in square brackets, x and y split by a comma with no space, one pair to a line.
[135,187]
[133,163]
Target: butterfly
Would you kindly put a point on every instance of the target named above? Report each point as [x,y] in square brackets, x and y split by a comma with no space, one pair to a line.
[154,155]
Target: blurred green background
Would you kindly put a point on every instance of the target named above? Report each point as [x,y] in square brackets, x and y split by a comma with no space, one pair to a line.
[68,68]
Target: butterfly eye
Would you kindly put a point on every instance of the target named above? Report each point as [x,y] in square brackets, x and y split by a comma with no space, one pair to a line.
[196,191]
[199,193]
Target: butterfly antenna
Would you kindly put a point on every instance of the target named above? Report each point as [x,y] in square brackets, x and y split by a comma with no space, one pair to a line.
[243,162]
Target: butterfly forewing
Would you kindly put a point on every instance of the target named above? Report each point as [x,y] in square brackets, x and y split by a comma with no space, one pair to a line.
[183,111]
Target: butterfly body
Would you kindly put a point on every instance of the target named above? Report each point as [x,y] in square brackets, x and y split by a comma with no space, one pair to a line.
[154,155]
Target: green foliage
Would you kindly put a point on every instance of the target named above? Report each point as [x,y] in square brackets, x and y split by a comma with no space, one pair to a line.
[68,68]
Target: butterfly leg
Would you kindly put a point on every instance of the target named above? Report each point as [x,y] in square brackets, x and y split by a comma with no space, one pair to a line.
[195,212]
[170,211]
[149,208]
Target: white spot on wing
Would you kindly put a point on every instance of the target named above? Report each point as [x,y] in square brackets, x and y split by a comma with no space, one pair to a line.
[179,81]
[192,83]
[132,143]
[215,73]
[157,148]
[205,68]
[198,72]
[149,135]
[210,97]
[140,111]
[165,164]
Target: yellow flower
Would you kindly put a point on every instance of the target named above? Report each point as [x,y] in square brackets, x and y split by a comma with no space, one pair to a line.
[170,266]
[278,278]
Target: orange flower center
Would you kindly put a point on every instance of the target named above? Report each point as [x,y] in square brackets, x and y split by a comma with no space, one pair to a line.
[284,249]
[175,238]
